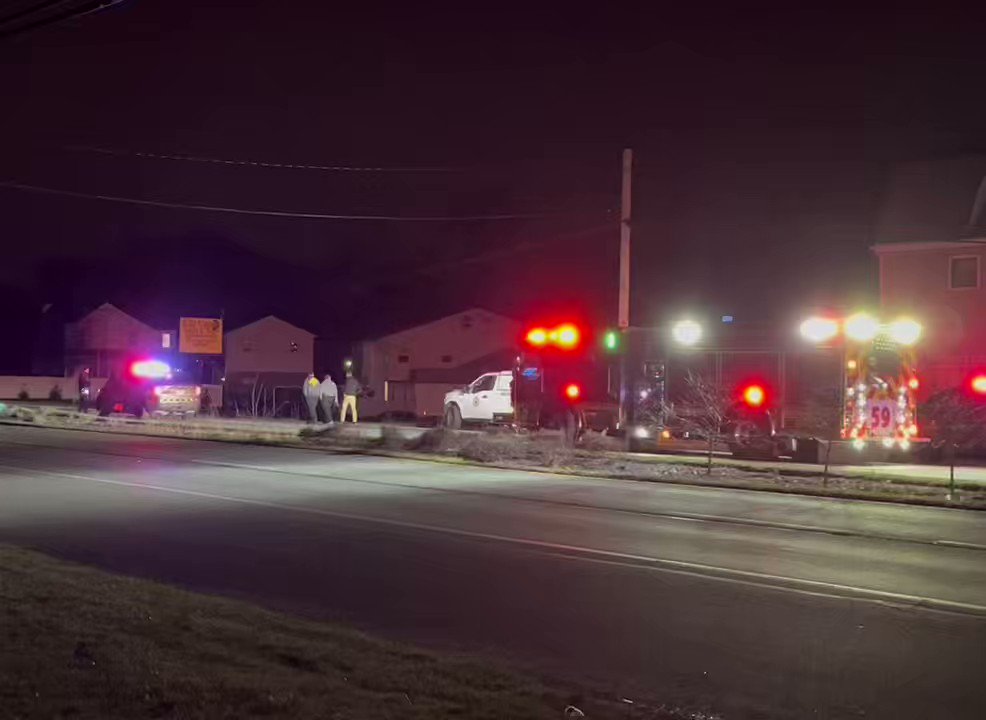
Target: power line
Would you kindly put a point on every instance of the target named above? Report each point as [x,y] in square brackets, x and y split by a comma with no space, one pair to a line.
[72,13]
[254,163]
[274,213]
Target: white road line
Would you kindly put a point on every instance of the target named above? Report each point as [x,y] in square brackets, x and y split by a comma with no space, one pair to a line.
[681,516]
[577,552]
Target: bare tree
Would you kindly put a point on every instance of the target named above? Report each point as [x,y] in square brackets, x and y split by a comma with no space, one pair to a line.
[957,423]
[702,411]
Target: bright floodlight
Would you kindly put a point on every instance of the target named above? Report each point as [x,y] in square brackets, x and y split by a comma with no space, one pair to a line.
[862,327]
[819,329]
[687,332]
[905,331]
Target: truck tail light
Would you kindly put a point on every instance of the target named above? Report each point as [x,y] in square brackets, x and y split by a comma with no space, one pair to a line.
[572,391]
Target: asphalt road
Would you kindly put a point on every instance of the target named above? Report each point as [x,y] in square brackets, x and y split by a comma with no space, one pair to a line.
[751,604]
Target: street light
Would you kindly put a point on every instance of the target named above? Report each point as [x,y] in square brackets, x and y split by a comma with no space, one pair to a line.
[819,329]
[686,332]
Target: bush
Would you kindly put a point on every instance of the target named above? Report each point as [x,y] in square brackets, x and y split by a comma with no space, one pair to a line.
[597,442]
[55,393]
[546,452]
[23,394]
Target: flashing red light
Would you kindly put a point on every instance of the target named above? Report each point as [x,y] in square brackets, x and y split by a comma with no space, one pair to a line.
[159,391]
[566,336]
[913,383]
[537,337]
[572,391]
[151,369]
[978,384]
[754,395]
[118,408]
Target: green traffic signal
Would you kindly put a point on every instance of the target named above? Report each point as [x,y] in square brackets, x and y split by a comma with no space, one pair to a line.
[611,340]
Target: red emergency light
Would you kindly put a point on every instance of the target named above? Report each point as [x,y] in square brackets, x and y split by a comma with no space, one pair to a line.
[572,391]
[537,337]
[566,336]
[978,383]
[754,395]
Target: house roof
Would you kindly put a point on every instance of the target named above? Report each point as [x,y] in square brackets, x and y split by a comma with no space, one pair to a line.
[110,307]
[446,318]
[942,200]
[268,319]
[905,247]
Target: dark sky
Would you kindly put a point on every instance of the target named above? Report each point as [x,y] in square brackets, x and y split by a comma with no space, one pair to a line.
[763,142]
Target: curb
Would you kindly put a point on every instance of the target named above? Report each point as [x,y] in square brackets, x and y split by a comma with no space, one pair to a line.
[303,444]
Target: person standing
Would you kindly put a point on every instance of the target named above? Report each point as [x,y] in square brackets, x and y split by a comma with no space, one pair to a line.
[310,391]
[85,389]
[350,391]
[329,396]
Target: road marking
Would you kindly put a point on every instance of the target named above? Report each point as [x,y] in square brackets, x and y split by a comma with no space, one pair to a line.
[577,552]
[681,516]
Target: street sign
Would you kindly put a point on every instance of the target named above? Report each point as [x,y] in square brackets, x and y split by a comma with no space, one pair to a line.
[200,336]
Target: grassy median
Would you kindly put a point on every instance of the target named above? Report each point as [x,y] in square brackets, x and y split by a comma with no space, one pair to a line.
[81,643]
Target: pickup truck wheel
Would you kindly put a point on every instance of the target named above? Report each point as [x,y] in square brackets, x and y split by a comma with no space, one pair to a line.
[453,418]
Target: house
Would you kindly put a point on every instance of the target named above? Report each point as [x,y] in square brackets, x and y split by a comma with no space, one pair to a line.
[410,371]
[102,340]
[931,249]
[271,354]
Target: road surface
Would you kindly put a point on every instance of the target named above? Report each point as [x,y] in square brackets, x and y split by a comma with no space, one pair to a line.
[751,604]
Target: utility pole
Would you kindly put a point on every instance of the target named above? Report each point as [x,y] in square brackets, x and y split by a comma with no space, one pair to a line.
[623,310]
[623,316]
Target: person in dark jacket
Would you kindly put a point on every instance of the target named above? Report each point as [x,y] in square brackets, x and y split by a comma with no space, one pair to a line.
[310,391]
[350,391]
[329,397]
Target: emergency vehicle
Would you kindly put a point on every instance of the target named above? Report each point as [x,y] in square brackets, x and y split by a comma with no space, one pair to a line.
[148,385]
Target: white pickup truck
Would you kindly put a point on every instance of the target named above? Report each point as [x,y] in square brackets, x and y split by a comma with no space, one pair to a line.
[486,399]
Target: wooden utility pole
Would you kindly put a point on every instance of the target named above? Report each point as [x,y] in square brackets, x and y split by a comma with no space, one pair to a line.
[623,310]
[623,315]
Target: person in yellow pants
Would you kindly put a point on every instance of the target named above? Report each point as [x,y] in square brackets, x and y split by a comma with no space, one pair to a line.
[350,391]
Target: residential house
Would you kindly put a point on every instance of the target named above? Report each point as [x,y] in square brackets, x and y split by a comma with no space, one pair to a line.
[931,249]
[410,371]
[269,355]
[104,338]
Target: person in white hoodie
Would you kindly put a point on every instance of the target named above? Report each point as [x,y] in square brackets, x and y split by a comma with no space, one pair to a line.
[310,391]
[328,397]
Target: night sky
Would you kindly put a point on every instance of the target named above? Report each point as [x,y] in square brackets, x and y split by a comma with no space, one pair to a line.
[764,141]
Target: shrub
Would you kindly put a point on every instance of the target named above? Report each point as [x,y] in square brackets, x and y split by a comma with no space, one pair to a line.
[55,393]
[23,394]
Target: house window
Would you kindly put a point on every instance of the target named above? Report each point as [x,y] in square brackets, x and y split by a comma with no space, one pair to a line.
[403,358]
[963,272]
[446,359]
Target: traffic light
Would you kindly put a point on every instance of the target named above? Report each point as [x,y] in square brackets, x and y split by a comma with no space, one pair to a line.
[611,340]
[572,391]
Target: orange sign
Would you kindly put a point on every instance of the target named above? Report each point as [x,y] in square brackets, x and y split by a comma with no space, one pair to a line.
[201,336]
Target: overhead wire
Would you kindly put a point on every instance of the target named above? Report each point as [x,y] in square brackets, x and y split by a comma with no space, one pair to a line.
[276,213]
[71,13]
[256,163]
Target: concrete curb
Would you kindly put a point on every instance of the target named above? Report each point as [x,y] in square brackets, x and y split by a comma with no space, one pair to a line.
[299,442]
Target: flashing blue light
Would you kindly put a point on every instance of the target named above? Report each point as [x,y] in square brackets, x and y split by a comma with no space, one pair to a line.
[727,318]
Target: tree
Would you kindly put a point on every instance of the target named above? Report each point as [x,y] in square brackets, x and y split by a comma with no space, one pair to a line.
[957,423]
[702,411]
